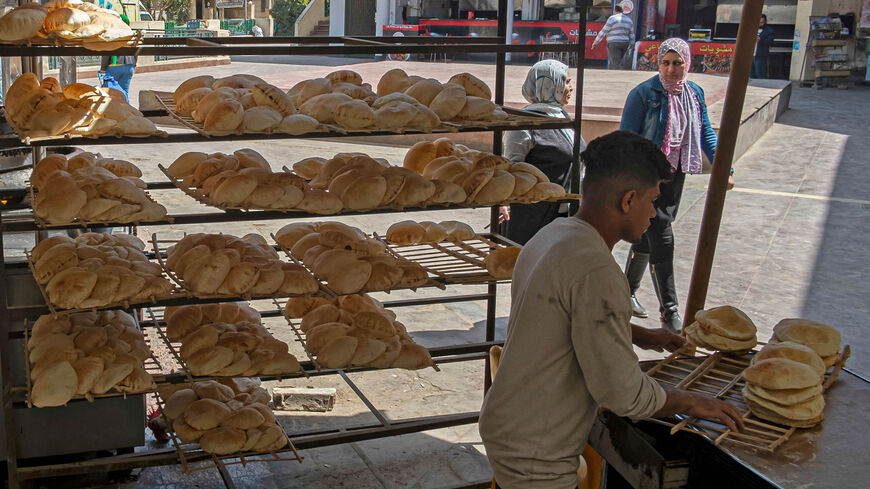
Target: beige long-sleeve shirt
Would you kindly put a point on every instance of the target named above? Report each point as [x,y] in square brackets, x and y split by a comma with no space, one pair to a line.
[568,351]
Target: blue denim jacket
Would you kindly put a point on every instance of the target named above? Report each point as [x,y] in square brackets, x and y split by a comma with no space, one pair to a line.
[646,113]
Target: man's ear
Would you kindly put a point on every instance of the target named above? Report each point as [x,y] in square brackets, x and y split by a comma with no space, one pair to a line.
[629,197]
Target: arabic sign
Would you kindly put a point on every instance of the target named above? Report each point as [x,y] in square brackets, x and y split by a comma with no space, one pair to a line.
[707,57]
[229,3]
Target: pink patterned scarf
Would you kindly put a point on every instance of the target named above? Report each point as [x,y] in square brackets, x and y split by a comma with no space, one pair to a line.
[682,141]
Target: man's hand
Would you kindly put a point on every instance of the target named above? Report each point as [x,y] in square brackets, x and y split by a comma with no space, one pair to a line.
[700,406]
[504,214]
[730,182]
[704,406]
[659,339]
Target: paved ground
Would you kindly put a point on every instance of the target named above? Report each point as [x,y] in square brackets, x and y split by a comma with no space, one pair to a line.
[793,243]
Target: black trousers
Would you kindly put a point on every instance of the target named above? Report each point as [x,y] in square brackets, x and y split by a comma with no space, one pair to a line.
[528,219]
[658,240]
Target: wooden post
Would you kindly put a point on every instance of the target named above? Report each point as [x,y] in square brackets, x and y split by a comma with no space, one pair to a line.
[728,128]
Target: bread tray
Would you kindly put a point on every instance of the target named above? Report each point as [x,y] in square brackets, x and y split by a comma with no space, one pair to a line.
[41,223]
[452,262]
[429,283]
[721,375]
[91,43]
[27,139]
[176,293]
[296,326]
[194,459]
[160,247]
[151,365]
[180,366]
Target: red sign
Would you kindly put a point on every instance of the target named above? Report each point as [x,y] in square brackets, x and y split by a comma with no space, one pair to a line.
[707,57]
[527,32]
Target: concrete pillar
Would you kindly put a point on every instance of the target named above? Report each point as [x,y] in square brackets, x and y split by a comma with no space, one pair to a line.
[191,7]
[532,9]
[336,18]
[383,9]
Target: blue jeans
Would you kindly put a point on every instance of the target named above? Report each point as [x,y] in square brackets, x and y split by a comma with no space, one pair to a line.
[122,74]
[759,67]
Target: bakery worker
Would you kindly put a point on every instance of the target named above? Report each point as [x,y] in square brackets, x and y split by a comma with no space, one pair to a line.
[547,89]
[762,49]
[121,68]
[670,111]
[568,349]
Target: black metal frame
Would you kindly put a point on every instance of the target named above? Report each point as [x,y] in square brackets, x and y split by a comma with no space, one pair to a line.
[284,46]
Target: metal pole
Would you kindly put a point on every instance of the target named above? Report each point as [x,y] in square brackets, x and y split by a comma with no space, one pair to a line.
[728,129]
[582,7]
[491,288]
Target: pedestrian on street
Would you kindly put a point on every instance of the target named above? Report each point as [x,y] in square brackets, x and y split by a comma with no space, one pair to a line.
[671,112]
[547,89]
[568,349]
[619,30]
[257,31]
[762,49]
[120,68]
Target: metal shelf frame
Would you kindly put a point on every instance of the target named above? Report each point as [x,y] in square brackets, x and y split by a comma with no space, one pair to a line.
[314,46]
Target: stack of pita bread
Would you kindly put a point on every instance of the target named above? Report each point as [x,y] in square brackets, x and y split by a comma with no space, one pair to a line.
[90,188]
[723,328]
[824,339]
[225,418]
[40,109]
[86,354]
[97,270]
[356,331]
[239,104]
[65,19]
[227,340]
[244,179]
[347,259]
[408,233]
[224,265]
[784,381]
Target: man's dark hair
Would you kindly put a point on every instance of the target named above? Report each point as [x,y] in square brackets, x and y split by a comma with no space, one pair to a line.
[764,16]
[626,157]
[618,9]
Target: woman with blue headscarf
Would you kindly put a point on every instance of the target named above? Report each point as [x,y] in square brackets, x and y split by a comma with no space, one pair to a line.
[547,89]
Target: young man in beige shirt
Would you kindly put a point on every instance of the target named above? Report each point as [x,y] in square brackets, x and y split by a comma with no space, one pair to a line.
[569,341]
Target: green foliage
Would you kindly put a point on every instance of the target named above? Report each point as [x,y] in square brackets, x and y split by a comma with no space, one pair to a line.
[172,10]
[285,13]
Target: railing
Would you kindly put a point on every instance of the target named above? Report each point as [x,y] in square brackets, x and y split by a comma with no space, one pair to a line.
[315,11]
[179,33]
[238,26]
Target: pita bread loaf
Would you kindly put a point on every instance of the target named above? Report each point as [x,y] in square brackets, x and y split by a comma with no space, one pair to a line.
[406,233]
[354,114]
[395,80]
[344,76]
[699,337]
[21,24]
[474,87]
[424,91]
[785,396]
[449,102]
[803,412]
[781,373]
[500,263]
[792,351]
[727,321]
[822,338]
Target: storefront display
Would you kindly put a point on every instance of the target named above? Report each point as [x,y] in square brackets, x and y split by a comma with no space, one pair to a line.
[707,57]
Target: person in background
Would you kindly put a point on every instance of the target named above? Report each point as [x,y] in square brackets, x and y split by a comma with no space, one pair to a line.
[568,349]
[762,49]
[670,111]
[121,68]
[619,30]
[256,31]
[547,89]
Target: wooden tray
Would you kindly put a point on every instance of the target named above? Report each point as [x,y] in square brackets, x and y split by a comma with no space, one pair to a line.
[151,365]
[721,375]
[324,286]
[160,248]
[175,294]
[454,262]
[192,458]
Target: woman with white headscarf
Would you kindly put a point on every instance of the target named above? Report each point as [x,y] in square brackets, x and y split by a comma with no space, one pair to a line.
[547,89]
[670,111]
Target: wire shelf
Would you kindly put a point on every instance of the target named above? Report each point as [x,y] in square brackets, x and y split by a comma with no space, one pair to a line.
[454,262]
[429,283]
[721,375]
[131,41]
[296,326]
[160,247]
[176,293]
[151,365]
[174,348]
[193,458]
